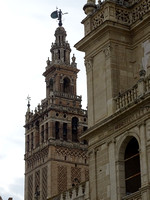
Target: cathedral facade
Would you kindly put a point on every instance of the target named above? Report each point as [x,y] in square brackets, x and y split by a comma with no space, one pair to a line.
[55,156]
[117,61]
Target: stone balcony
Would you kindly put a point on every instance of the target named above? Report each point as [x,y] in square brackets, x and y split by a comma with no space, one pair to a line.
[67,95]
[110,10]
[134,95]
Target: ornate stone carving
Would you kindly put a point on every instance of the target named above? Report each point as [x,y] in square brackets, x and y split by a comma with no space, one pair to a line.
[32,160]
[125,15]
[88,64]
[107,51]
[131,118]
[98,20]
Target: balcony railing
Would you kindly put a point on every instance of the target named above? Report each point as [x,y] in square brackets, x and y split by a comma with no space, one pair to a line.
[135,195]
[67,95]
[134,95]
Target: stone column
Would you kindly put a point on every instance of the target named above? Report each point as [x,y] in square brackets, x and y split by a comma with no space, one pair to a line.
[69,132]
[80,130]
[61,131]
[36,133]
[51,130]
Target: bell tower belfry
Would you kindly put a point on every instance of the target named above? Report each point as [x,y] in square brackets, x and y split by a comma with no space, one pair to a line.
[60,74]
[55,157]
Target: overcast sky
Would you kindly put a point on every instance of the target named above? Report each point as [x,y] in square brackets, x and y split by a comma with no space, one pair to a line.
[26,34]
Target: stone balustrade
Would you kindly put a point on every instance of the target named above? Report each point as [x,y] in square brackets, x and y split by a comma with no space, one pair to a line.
[67,95]
[133,95]
[134,196]
[79,192]
[126,98]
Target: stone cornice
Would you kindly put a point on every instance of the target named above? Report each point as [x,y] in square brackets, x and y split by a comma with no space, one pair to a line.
[122,118]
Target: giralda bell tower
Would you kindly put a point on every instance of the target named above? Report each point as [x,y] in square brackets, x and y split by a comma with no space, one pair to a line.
[55,157]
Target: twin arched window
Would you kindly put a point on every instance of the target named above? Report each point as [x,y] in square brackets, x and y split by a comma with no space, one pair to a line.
[51,84]
[65,130]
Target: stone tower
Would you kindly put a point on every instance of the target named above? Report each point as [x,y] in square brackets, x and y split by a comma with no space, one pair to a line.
[55,157]
[117,60]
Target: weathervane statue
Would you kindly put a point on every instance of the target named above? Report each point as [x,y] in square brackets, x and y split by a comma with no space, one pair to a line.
[58,15]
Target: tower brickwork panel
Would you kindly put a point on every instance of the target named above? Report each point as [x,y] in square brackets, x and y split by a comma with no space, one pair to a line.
[55,156]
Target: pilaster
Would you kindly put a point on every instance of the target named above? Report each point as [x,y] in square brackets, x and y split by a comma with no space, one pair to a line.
[112,168]
[143,155]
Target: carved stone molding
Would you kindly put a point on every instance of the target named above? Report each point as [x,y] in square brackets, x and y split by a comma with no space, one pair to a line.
[35,158]
[107,51]
[88,64]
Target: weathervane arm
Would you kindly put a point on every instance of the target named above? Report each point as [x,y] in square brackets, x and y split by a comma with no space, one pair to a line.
[58,15]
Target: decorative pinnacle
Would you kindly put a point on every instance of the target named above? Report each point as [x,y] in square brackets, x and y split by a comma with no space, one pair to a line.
[142,71]
[48,62]
[28,98]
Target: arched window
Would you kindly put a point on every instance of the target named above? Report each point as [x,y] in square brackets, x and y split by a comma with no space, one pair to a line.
[51,84]
[27,143]
[64,55]
[42,134]
[32,144]
[64,131]
[75,129]
[59,54]
[37,136]
[57,130]
[84,128]
[46,131]
[132,167]
[66,85]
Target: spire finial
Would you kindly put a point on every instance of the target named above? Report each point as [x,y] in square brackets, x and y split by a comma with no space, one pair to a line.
[58,15]
[28,105]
